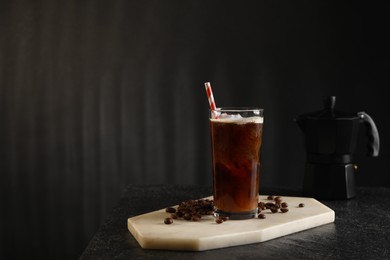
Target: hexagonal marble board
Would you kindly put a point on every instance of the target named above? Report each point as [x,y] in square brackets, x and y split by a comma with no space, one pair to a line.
[151,232]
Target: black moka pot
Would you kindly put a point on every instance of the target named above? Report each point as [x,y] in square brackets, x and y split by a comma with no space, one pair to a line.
[330,141]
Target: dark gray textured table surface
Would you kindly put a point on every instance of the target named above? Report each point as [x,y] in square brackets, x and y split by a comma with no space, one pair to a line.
[361,229]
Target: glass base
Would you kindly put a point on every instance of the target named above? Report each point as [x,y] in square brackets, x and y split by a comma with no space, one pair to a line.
[236,215]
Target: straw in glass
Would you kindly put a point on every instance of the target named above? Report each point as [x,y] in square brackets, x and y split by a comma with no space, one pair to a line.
[210,97]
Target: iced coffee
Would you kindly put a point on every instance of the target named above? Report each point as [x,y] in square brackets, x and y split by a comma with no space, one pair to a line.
[236,138]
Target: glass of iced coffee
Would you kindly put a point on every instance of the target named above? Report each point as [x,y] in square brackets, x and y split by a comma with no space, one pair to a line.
[236,138]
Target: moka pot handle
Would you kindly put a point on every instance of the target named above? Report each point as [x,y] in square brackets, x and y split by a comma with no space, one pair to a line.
[372,134]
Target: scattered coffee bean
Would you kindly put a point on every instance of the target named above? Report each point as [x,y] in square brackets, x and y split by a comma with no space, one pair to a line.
[168,221]
[261,205]
[274,207]
[195,218]
[170,210]
[269,205]
[187,216]
[284,210]
[192,209]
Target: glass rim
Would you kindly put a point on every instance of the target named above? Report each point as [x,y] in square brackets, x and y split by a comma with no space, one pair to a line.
[237,109]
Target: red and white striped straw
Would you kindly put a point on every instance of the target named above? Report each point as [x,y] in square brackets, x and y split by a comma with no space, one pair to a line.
[210,97]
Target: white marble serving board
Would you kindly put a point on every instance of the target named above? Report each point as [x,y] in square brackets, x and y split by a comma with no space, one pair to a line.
[151,232]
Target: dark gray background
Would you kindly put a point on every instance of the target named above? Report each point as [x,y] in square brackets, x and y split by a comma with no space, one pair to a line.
[97,95]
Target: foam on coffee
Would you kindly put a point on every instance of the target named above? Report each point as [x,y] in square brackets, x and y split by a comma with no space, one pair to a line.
[237,119]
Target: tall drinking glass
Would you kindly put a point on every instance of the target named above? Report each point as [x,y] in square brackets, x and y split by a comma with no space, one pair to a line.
[236,139]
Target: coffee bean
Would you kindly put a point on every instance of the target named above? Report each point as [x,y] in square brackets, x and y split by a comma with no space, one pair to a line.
[187,216]
[269,205]
[284,210]
[174,216]
[270,197]
[278,199]
[274,209]
[170,210]
[261,216]
[219,221]
[284,205]
[195,218]
[261,205]
[301,205]
[168,221]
